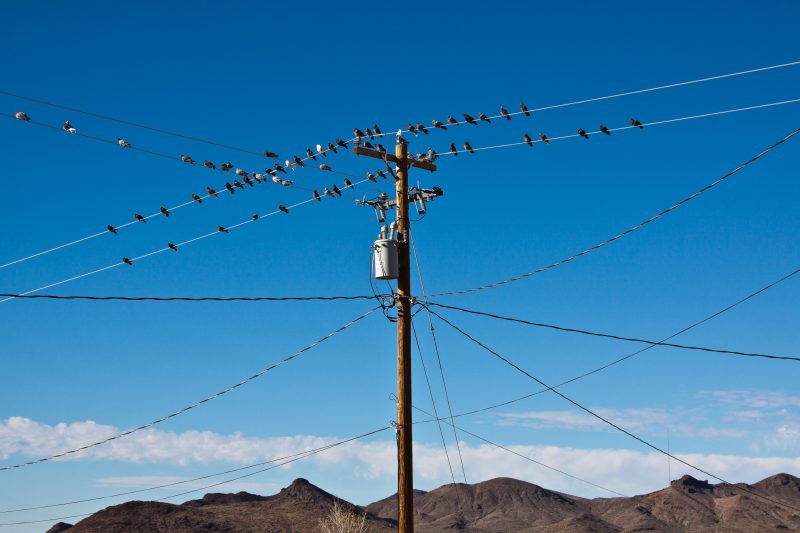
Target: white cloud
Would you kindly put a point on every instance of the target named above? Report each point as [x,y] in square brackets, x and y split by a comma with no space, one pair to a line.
[756,399]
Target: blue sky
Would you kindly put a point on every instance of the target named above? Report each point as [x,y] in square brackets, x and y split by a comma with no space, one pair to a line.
[285,78]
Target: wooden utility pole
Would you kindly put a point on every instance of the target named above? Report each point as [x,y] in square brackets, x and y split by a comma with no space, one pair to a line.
[405,470]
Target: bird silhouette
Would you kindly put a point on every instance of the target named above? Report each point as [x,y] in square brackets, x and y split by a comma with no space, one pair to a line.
[452,121]
[299,161]
[127,261]
[369,145]
[332,148]
[209,164]
[122,142]
[323,166]
[316,196]
[226,166]
[112,229]
[453,149]
[528,139]
[237,183]
[377,130]
[69,128]
[212,192]
[358,133]
[222,229]
[258,177]
[468,148]
[310,154]
[197,199]
[271,155]
[421,127]
[21,115]
[505,113]
[348,183]
[230,187]
[381,173]
[187,159]
[172,247]
[371,178]
[277,180]
[139,218]
[287,183]
[321,151]
[381,148]
[370,134]
[470,120]
[524,109]
[327,192]
[279,168]
[336,190]
[605,130]
[283,208]
[341,143]
[437,124]
[243,173]
[637,124]
[255,216]
[164,211]
[582,133]
[544,138]
[483,117]
[412,129]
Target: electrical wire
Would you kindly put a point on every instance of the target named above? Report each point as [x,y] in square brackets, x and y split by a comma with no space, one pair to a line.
[280,462]
[161,250]
[610,336]
[197,298]
[627,231]
[637,352]
[199,402]
[621,128]
[605,420]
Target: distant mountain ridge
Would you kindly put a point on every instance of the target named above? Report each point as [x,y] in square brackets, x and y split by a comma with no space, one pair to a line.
[496,505]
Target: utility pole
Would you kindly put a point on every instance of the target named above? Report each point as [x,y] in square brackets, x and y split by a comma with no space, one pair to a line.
[405,471]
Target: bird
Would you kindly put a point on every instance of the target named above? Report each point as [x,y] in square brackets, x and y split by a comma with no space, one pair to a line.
[222,229]
[524,109]
[358,133]
[321,151]
[230,187]
[528,139]
[279,168]
[21,115]
[255,216]
[421,127]
[122,142]
[377,130]
[371,178]
[341,143]
[270,171]
[226,166]
[316,196]
[483,117]
[271,155]
[112,229]
[327,192]
[209,164]
[172,247]
[336,190]
[197,199]
[237,183]
[381,173]
[212,192]
[127,261]
[369,145]
[277,180]
[310,154]
[332,148]
[164,211]
[258,177]
[453,149]
[469,119]
[283,208]
[323,166]
[370,134]
[290,164]
[187,159]
[299,161]
[468,147]
[68,127]
[544,139]
[287,183]
[637,124]
[412,129]
[432,155]
[140,218]
[582,133]
[437,124]
[240,172]
[348,183]
[505,113]
[605,130]
[381,148]
[452,121]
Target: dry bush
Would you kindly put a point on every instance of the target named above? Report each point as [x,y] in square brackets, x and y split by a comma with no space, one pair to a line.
[342,519]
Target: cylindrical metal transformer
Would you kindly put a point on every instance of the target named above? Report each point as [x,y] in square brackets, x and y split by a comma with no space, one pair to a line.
[386,259]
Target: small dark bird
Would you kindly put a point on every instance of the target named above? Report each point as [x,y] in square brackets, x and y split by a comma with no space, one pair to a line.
[222,229]
[524,109]
[68,127]
[421,127]
[377,130]
[127,261]
[249,181]
[140,218]
[242,173]
[321,151]
[483,117]
[197,199]
[187,159]
[284,209]
[528,139]
[332,148]
[453,149]
[470,120]
[112,229]
[368,144]
[20,115]
[122,142]
[358,133]
[271,155]
[209,164]
[230,188]
[316,196]
[172,247]
[212,192]
[270,171]
[237,183]
[255,216]
[505,113]
[370,134]
[412,129]
[310,154]
[299,161]
[544,139]
[323,166]
[327,192]
[336,190]
[381,148]
[437,124]
[582,133]
[637,124]
[468,148]
[226,166]
[452,121]
[279,168]
[164,211]
[605,130]
[371,178]
[348,183]
[381,173]
[341,143]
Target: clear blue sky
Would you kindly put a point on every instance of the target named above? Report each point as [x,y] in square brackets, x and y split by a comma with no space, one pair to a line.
[285,77]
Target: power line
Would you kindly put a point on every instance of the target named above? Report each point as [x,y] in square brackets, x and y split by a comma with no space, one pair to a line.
[627,231]
[605,420]
[178,245]
[199,402]
[621,128]
[610,336]
[197,298]
[637,352]
[280,462]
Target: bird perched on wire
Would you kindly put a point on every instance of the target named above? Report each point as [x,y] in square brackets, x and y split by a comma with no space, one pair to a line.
[381,173]
[341,143]
[277,179]
[212,192]
[127,261]
[172,247]
[453,149]
[112,229]
[483,117]
[524,109]
[21,115]
[258,177]
[544,138]
[528,139]
[298,161]
[226,166]
[470,120]
[336,190]
[358,133]
[164,211]
[323,166]
[237,183]
[290,164]
[332,148]
[637,124]
[412,129]
[316,196]
[370,134]
[240,172]
[437,124]
[69,128]
[283,209]
[348,183]
[452,121]
[505,113]
[139,218]
[321,151]
[381,148]
[310,154]
[271,155]
[187,159]
[377,130]
[468,148]
[209,164]
[582,133]
[371,177]
[432,155]
[369,145]
[327,192]
[197,198]
[605,130]
[421,127]
[255,216]
[230,187]
[222,229]
[122,142]
[279,168]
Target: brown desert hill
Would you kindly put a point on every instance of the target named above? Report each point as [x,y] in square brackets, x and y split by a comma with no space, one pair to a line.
[497,505]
